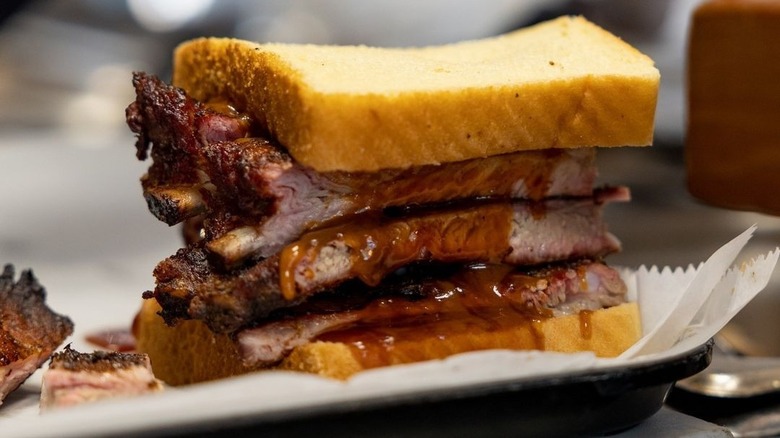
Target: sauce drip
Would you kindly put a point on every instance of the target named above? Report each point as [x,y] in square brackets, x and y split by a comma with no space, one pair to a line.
[121,340]
[225,108]
[378,245]
[472,310]
[586,329]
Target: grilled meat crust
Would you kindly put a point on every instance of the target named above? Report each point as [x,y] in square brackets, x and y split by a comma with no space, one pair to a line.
[74,378]
[29,330]
[210,160]
[190,287]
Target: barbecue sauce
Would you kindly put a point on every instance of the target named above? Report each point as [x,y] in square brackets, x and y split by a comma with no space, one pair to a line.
[121,340]
[469,311]
[378,245]
[586,329]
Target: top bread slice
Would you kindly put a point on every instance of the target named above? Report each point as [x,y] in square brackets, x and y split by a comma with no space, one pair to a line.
[560,84]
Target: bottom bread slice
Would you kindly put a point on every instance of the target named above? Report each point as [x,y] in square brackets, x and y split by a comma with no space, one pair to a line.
[191,353]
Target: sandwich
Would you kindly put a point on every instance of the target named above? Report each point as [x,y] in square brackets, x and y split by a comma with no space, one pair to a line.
[350,207]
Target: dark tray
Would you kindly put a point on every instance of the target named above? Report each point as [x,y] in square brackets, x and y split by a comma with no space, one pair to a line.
[588,403]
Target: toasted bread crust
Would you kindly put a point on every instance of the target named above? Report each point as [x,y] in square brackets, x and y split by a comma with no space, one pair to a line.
[565,83]
[189,352]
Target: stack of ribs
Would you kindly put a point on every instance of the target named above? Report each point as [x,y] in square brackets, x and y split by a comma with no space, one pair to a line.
[29,330]
[271,240]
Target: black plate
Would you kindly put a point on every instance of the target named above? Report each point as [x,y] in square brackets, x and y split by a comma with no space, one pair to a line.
[589,403]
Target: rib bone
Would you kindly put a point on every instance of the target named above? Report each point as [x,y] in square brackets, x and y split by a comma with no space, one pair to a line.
[189,287]
[174,204]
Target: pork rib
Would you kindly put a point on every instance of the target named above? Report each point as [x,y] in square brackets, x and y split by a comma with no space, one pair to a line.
[560,289]
[75,378]
[29,330]
[177,125]
[521,233]
[297,199]
[256,199]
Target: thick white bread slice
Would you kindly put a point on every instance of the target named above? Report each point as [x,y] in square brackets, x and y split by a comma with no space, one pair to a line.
[190,352]
[562,83]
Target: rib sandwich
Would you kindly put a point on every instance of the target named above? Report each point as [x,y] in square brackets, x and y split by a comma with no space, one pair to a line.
[352,207]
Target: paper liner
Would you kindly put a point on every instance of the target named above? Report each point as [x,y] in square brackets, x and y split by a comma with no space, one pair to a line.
[669,300]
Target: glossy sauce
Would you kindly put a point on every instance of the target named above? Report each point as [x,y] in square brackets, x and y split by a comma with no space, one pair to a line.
[586,329]
[121,340]
[225,108]
[465,311]
[380,245]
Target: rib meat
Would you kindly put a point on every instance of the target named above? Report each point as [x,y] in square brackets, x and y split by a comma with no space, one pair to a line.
[176,124]
[519,233]
[74,378]
[523,233]
[297,199]
[29,330]
[558,289]
[255,199]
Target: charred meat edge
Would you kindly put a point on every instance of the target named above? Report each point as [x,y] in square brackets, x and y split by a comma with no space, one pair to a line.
[30,331]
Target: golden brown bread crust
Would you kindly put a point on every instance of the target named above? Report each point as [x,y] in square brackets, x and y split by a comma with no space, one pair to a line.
[187,353]
[564,83]
[190,353]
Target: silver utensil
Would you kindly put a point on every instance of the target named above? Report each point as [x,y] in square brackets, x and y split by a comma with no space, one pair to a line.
[738,381]
[732,375]
[734,384]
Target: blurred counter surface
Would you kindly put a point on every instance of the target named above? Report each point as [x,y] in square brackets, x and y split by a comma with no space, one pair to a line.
[65,81]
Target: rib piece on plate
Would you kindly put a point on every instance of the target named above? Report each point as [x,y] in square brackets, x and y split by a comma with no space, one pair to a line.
[74,378]
[29,330]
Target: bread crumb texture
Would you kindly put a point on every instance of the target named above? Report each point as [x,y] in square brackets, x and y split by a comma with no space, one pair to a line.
[189,352]
[562,83]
